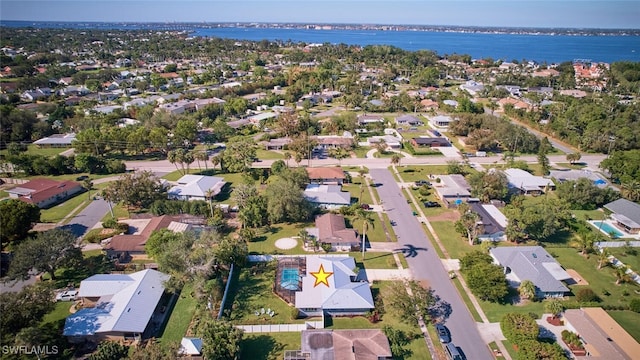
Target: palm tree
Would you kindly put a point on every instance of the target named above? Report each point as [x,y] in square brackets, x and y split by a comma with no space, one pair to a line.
[631,190]
[603,258]
[381,146]
[338,154]
[584,241]
[395,159]
[216,160]
[527,289]
[622,275]
[202,155]
[554,307]
[87,184]
[367,221]
[287,157]
[209,196]
[298,158]
[305,237]
[174,157]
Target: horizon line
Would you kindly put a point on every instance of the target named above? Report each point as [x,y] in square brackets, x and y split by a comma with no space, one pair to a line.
[320,23]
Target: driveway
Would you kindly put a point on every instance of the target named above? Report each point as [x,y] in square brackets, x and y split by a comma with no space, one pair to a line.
[88,218]
[426,265]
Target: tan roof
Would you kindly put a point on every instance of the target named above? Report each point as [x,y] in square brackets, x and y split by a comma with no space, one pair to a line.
[325,173]
[137,242]
[44,189]
[332,229]
[604,337]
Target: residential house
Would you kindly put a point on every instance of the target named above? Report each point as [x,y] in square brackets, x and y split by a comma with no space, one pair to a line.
[429,104]
[493,221]
[331,229]
[601,335]
[472,87]
[393,142]
[451,103]
[424,141]
[452,189]
[128,246]
[361,344]
[56,141]
[364,119]
[117,307]
[196,187]
[326,175]
[408,120]
[535,264]
[45,192]
[345,141]
[517,104]
[331,287]
[525,183]
[108,109]
[573,175]
[327,196]
[276,144]
[37,94]
[626,215]
[440,121]
[260,118]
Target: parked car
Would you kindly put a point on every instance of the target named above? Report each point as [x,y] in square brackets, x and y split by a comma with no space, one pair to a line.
[365,206]
[83,177]
[431,204]
[422,182]
[443,333]
[67,295]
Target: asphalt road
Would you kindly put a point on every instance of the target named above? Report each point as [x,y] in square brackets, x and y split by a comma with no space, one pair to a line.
[426,265]
[88,217]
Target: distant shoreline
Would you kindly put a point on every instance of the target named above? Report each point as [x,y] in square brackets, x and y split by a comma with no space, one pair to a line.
[186,26]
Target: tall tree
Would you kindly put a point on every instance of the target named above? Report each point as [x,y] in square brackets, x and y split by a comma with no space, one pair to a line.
[527,289]
[17,218]
[395,159]
[221,340]
[24,308]
[367,221]
[489,185]
[468,225]
[412,301]
[135,190]
[47,252]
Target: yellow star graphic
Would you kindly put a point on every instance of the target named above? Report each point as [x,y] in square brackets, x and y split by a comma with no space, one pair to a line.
[322,277]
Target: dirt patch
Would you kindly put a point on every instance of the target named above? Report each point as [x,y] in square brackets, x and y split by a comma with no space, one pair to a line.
[43,226]
[447,216]
[577,278]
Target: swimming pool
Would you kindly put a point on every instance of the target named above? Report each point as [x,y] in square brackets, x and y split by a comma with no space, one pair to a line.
[607,229]
[289,279]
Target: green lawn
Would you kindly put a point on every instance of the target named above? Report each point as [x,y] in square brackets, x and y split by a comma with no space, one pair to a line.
[495,311]
[599,280]
[268,346]
[181,315]
[269,155]
[35,150]
[264,243]
[375,233]
[251,290]
[60,311]
[630,259]
[456,245]
[58,212]
[374,260]
[629,320]
[431,211]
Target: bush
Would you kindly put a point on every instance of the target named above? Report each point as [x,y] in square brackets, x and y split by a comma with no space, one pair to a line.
[571,338]
[110,223]
[518,328]
[634,305]
[587,295]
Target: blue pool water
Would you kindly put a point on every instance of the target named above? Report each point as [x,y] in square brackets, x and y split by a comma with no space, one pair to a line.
[607,229]
[289,279]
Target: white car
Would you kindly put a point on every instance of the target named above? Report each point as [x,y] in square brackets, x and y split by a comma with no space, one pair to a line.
[68,295]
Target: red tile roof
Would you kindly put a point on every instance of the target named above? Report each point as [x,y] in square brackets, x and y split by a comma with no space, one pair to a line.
[325,173]
[332,229]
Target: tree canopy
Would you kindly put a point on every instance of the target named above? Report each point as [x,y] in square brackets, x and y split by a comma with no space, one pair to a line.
[17,218]
[135,190]
[47,252]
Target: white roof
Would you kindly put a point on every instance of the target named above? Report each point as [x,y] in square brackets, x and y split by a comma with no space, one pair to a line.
[496,214]
[125,305]
[327,194]
[190,346]
[341,293]
[57,139]
[523,180]
[197,186]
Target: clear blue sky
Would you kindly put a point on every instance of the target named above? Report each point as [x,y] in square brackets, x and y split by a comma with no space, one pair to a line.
[518,13]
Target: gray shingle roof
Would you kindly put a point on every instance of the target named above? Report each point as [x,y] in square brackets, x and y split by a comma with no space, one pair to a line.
[533,263]
[625,207]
